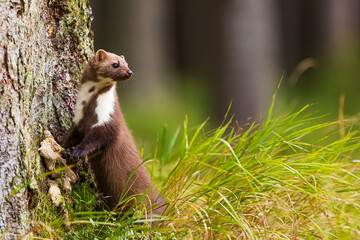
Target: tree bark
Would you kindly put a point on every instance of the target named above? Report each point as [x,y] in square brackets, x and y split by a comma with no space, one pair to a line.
[340,22]
[249,60]
[44,45]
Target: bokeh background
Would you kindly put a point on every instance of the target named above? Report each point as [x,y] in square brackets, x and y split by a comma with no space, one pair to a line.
[192,57]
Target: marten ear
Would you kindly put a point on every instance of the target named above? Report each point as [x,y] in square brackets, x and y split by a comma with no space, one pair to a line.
[100,55]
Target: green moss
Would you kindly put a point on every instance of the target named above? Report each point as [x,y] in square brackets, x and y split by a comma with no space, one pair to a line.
[84,198]
[34,167]
[78,23]
[48,218]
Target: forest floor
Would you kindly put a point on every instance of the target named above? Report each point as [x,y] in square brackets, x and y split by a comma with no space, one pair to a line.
[290,176]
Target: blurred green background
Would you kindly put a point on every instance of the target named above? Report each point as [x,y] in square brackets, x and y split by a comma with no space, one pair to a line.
[193,57]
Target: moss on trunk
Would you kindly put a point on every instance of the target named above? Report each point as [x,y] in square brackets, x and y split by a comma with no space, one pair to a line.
[44,45]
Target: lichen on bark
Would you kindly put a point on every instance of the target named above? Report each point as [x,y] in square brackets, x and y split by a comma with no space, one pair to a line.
[44,45]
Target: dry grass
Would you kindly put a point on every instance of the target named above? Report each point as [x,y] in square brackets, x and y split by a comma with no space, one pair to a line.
[286,178]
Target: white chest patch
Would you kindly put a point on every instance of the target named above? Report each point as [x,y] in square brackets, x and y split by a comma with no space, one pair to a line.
[82,98]
[105,107]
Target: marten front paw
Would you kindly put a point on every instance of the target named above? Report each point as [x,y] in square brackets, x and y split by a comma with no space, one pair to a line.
[78,153]
[67,154]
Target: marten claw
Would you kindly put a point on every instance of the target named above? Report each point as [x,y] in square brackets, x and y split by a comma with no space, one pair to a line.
[77,153]
[67,155]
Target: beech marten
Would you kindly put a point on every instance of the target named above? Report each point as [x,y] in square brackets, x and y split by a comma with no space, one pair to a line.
[99,132]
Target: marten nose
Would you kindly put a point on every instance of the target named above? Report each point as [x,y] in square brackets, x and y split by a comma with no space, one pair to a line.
[130,72]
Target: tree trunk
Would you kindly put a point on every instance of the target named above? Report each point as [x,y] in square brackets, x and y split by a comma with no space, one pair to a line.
[248,74]
[44,46]
[340,21]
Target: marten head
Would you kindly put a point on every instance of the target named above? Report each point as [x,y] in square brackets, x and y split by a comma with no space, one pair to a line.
[109,65]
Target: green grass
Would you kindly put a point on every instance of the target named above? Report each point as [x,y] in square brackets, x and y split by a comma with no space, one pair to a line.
[283,178]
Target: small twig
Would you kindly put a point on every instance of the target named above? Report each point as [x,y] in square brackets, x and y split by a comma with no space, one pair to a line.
[341,115]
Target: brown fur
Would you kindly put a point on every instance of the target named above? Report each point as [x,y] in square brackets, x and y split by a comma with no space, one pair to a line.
[115,156]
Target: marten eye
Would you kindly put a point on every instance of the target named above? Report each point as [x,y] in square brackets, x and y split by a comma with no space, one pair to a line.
[115,65]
